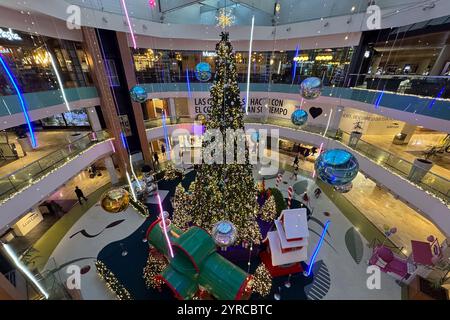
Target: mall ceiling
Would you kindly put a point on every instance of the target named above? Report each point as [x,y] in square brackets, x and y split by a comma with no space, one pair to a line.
[205,11]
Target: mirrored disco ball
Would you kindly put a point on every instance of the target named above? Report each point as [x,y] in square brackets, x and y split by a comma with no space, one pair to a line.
[336,167]
[203,71]
[115,200]
[344,188]
[224,233]
[299,117]
[310,88]
[138,94]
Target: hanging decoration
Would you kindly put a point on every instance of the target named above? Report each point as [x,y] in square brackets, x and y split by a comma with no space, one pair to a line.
[224,233]
[225,17]
[115,200]
[311,88]
[138,94]
[299,117]
[203,71]
[336,167]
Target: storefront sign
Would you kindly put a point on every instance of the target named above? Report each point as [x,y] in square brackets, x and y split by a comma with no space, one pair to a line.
[27,223]
[9,35]
[209,54]
[271,107]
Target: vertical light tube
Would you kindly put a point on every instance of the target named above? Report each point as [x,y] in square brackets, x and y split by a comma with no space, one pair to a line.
[24,270]
[129,24]
[328,123]
[21,100]
[131,186]
[249,65]
[319,245]
[58,77]
[164,226]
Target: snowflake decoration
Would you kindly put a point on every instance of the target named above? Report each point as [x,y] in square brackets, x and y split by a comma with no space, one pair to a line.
[225,18]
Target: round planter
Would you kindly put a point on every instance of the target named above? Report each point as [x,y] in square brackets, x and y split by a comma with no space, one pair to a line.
[419,169]
[354,138]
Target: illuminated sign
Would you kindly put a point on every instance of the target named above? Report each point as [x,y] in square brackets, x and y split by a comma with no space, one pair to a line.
[209,54]
[9,35]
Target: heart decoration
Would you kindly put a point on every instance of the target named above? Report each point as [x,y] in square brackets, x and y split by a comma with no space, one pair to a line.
[315,112]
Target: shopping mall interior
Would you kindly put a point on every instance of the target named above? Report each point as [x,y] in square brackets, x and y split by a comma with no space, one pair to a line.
[225,150]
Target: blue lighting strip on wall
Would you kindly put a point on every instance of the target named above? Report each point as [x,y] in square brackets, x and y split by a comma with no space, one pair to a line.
[294,71]
[438,96]
[22,101]
[166,135]
[377,102]
[319,245]
[124,141]
[188,82]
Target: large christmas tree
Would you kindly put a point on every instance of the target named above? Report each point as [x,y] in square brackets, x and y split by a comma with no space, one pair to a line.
[226,191]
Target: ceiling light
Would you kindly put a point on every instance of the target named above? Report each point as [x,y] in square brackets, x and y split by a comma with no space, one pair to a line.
[353,8]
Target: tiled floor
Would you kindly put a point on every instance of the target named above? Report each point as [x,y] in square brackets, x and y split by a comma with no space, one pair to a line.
[48,141]
[411,151]
[381,208]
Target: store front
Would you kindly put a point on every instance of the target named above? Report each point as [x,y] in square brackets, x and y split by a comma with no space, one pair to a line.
[28,56]
[278,67]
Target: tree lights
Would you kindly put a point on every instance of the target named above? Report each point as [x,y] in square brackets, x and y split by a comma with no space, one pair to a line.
[112,282]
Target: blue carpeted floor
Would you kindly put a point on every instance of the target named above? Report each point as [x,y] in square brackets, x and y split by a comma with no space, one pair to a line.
[129,269]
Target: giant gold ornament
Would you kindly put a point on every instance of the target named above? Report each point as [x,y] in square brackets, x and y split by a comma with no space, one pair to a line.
[115,200]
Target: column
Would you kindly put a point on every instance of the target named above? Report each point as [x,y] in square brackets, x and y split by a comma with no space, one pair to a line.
[93,119]
[108,106]
[405,135]
[130,75]
[109,164]
[172,111]
[336,117]
[443,58]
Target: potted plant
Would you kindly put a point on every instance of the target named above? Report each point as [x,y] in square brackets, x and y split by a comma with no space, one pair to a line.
[356,134]
[421,166]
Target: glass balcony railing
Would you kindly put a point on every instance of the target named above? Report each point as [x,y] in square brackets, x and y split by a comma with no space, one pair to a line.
[21,178]
[431,182]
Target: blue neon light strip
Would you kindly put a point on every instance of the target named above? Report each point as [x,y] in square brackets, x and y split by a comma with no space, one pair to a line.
[166,135]
[124,140]
[319,245]
[438,96]
[188,82]
[22,101]
[294,71]
[377,102]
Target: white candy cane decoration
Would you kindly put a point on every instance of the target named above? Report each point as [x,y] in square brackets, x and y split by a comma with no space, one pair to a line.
[279,177]
[290,191]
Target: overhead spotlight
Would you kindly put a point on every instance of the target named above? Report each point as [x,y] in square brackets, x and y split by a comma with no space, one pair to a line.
[288,29]
[349,20]
[326,24]
[144,27]
[104,20]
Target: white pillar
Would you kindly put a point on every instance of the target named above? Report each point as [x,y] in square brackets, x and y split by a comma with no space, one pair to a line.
[93,119]
[405,135]
[336,117]
[172,110]
[109,164]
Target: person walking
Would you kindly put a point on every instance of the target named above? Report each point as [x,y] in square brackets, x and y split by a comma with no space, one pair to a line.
[80,195]
[295,173]
[296,160]
[156,157]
